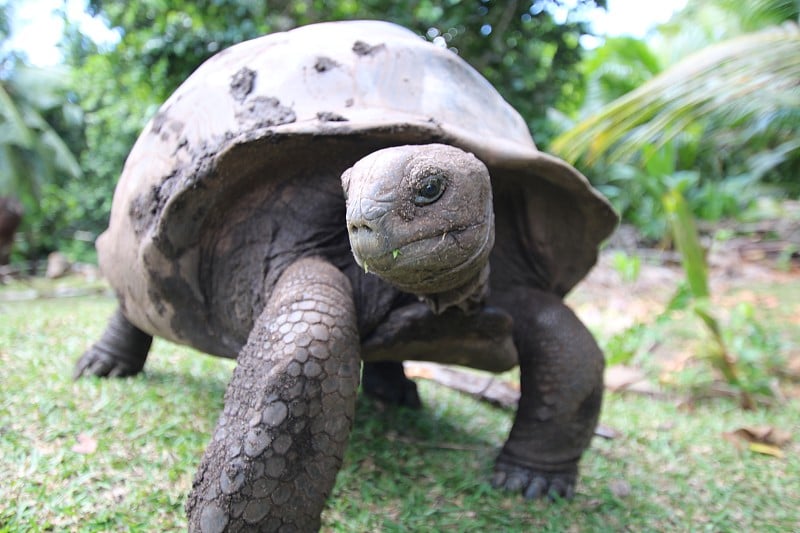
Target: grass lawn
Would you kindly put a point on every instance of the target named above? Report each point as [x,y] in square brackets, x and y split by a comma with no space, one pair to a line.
[119,455]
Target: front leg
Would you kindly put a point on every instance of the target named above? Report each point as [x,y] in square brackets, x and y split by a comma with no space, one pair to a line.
[561,377]
[289,408]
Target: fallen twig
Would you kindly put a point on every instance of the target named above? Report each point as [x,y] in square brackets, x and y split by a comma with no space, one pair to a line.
[484,388]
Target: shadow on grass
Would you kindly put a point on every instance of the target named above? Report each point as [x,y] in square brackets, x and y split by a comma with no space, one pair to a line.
[377,427]
[197,386]
[404,470]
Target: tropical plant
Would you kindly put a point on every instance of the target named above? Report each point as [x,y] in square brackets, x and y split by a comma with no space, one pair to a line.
[748,82]
[740,349]
[32,153]
[694,139]
[618,67]
[35,156]
[730,112]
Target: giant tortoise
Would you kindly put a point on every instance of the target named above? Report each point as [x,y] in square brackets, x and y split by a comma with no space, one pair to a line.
[312,200]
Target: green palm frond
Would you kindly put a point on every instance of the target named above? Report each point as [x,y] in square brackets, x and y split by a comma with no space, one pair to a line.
[752,75]
[32,153]
[13,129]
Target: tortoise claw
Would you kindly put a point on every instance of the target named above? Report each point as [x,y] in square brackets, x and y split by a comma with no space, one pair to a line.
[534,484]
[96,362]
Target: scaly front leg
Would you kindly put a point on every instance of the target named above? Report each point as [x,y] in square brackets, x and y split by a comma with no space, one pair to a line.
[289,408]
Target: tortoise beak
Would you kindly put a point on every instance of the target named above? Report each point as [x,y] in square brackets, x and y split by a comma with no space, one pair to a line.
[364,219]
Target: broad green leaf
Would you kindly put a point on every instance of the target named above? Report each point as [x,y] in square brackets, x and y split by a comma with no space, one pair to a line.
[63,159]
[749,75]
[41,88]
[13,129]
[686,239]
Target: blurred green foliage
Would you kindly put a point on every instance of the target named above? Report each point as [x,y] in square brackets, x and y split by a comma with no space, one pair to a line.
[740,349]
[40,130]
[713,94]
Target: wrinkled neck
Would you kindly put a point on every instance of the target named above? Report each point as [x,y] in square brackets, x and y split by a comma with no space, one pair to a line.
[468,297]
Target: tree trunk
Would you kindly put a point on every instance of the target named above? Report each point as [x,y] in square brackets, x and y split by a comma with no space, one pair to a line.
[10,216]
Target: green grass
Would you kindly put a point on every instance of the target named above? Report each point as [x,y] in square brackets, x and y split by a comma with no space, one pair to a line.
[404,470]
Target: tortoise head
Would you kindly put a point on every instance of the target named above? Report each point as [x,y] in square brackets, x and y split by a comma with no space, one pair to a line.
[421,218]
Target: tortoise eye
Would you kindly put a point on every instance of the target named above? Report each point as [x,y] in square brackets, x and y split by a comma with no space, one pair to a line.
[430,190]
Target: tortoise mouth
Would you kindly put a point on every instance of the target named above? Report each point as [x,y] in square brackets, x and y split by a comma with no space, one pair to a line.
[424,264]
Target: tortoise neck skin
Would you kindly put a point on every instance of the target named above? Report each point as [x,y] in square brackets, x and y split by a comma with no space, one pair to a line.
[421,218]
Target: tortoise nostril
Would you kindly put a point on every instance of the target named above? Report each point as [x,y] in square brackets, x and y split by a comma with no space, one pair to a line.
[360,227]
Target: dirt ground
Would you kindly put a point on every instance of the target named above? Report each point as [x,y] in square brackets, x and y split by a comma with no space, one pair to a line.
[760,267]
[606,297]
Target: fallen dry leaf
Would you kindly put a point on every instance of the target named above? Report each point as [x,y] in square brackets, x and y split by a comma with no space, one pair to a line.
[793,366]
[795,317]
[606,432]
[86,444]
[764,435]
[627,378]
[620,377]
[765,440]
[766,449]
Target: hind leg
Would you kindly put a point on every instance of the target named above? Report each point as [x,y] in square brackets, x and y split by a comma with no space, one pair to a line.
[387,381]
[121,351]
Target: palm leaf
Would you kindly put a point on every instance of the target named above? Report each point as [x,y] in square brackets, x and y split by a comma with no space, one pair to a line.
[13,129]
[16,179]
[750,75]
[63,158]
[32,153]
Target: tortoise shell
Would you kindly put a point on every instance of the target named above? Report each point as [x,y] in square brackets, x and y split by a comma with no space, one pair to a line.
[312,101]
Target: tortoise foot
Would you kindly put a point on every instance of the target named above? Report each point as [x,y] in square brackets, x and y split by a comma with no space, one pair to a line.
[98,362]
[386,382]
[120,352]
[534,483]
